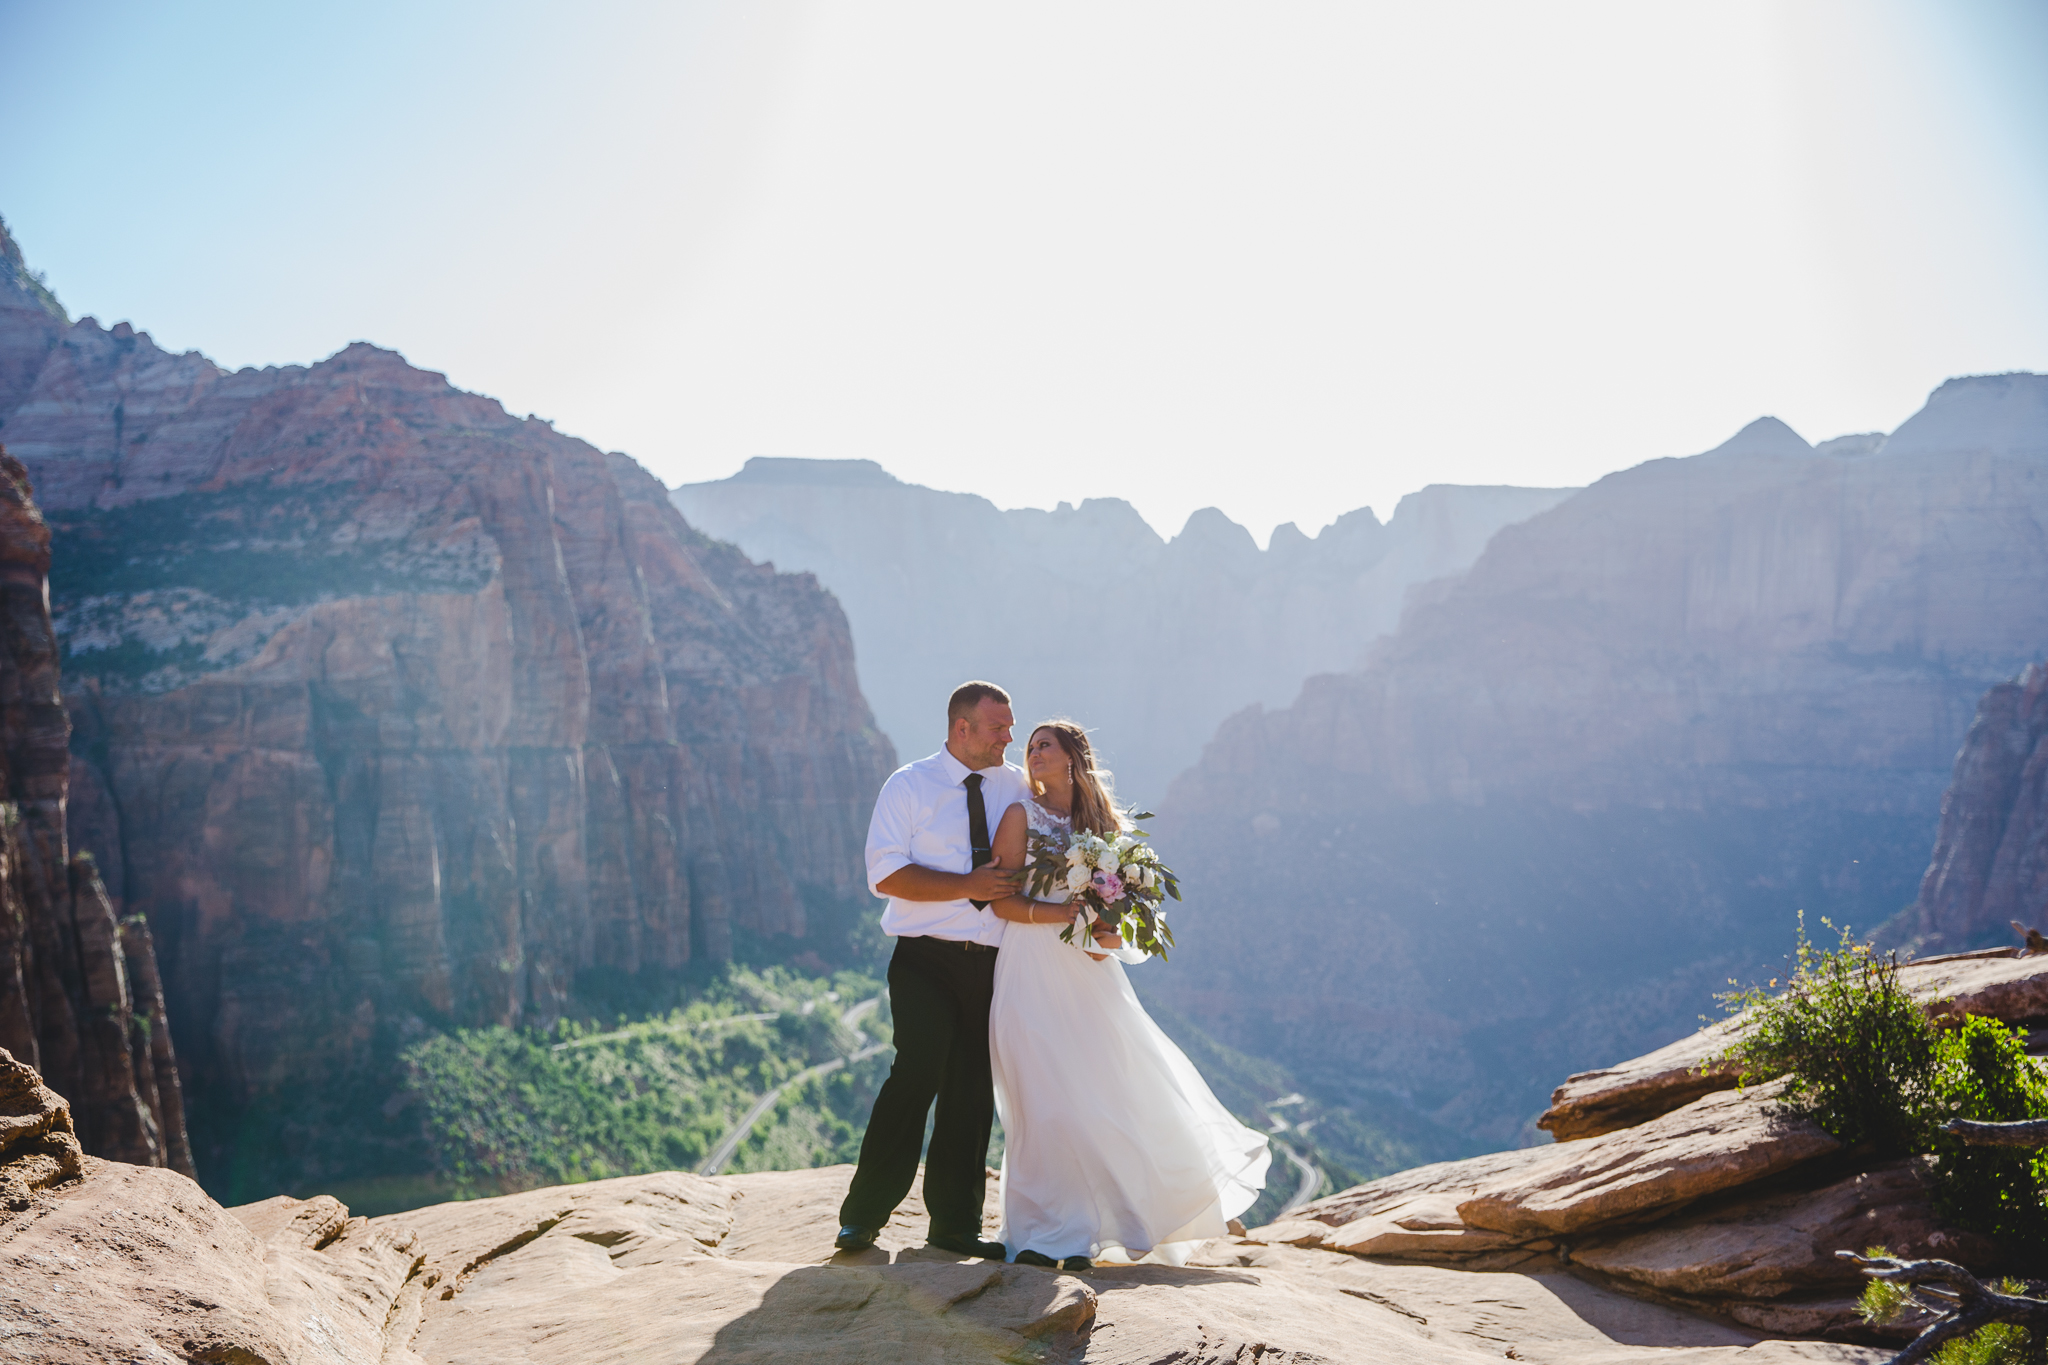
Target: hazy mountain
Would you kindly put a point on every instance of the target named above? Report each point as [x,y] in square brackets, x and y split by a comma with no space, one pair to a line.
[1648,727]
[1086,611]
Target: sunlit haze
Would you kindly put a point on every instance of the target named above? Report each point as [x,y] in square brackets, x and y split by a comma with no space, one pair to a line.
[1285,260]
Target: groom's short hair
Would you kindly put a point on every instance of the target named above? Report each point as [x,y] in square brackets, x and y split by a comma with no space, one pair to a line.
[969,695]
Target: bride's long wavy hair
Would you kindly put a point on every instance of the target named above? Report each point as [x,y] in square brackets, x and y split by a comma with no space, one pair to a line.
[1094,808]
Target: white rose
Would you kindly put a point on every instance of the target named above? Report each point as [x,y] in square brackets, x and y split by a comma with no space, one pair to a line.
[1077,877]
[1076,855]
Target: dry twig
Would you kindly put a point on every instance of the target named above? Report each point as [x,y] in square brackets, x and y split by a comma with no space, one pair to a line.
[2022,1133]
[1964,1304]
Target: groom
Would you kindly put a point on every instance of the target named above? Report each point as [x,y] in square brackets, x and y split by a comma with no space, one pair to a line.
[928,853]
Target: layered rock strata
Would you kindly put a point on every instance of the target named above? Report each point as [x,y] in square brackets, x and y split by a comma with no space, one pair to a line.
[79,992]
[396,712]
[1990,864]
[1716,1143]
[1722,1202]
[1774,1246]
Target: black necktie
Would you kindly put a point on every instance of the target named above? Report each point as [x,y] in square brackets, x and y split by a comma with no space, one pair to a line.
[977,828]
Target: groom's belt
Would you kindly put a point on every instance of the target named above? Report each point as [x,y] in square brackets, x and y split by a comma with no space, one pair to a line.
[961,945]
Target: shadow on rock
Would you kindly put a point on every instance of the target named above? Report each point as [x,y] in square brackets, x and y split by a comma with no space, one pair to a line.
[913,1309]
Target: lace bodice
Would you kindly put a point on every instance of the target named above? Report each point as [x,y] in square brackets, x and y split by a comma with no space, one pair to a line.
[1043,821]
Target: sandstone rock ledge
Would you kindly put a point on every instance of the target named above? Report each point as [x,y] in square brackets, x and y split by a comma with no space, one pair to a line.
[1668,1184]
[135,1263]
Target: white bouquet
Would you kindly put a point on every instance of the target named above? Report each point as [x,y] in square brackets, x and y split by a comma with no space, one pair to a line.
[1117,880]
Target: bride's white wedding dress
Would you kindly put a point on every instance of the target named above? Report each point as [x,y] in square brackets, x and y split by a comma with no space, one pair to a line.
[1113,1146]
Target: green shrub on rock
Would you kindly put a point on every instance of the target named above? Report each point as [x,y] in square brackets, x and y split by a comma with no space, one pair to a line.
[1864,1060]
[1858,1050]
[1996,1343]
[1985,1074]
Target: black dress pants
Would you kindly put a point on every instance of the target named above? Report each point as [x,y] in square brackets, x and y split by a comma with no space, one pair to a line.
[939,994]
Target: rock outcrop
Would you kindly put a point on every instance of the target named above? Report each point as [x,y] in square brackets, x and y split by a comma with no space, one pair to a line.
[394,712]
[107,1261]
[944,586]
[1590,780]
[38,1141]
[1725,1203]
[1990,865]
[2000,983]
[1774,1245]
[79,994]
[1716,1143]
[1590,1103]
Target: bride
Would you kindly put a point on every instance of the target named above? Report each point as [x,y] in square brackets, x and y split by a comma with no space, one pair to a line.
[1113,1147]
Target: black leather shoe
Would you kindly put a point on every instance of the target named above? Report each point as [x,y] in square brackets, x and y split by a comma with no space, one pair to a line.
[1077,1263]
[854,1237]
[1038,1258]
[960,1244]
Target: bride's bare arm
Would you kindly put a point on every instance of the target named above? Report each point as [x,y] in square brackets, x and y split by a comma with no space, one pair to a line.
[1009,847]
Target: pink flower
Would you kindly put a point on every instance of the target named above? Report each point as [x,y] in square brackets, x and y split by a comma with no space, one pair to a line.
[1108,886]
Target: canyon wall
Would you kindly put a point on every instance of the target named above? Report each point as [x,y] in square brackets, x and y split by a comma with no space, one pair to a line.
[1086,611]
[1990,864]
[80,998]
[394,712]
[1600,773]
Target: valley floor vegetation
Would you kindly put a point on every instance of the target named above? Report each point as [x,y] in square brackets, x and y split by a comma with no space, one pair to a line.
[512,1109]
[1864,1060]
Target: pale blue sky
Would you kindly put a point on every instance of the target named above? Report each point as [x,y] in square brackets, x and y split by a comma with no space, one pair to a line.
[1287,260]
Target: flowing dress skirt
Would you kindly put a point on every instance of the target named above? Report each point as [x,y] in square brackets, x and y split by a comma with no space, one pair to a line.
[1114,1147]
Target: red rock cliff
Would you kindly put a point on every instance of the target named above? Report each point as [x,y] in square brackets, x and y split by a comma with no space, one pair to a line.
[79,996]
[396,711]
[1990,864]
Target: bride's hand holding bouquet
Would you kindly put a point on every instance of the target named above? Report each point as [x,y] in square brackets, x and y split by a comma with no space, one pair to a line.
[1116,880]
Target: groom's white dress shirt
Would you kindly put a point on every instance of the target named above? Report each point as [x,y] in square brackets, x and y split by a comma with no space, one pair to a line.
[921,817]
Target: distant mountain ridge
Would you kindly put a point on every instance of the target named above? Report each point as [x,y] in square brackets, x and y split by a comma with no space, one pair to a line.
[1669,597]
[1087,611]
[1612,761]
